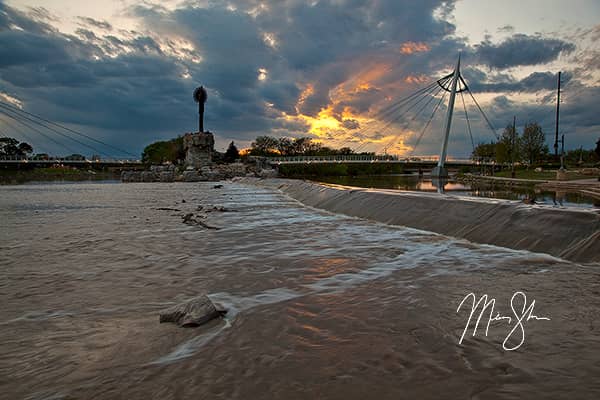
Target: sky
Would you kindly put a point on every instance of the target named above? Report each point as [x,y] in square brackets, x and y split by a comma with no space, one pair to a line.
[123,71]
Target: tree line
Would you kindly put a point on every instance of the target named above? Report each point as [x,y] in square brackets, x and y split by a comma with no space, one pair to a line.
[266,146]
[528,147]
[285,146]
[10,147]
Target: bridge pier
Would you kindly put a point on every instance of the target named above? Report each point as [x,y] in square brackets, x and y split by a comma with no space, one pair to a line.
[439,172]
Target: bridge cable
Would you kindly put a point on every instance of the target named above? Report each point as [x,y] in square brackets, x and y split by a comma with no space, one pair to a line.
[396,118]
[437,106]
[6,105]
[398,104]
[376,125]
[60,145]
[484,116]
[21,132]
[391,110]
[96,150]
[468,122]
[417,114]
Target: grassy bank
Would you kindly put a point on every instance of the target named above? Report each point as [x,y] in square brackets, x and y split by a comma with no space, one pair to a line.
[353,169]
[17,176]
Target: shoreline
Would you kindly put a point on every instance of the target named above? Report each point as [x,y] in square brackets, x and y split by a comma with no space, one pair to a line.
[34,175]
[571,234]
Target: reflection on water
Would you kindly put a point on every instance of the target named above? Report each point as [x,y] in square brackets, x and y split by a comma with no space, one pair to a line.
[413,182]
[320,305]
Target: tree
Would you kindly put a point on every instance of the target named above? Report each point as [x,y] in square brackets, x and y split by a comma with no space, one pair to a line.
[264,146]
[167,151]
[10,147]
[231,154]
[285,146]
[532,143]
[269,146]
[597,151]
[306,146]
[507,148]
[484,151]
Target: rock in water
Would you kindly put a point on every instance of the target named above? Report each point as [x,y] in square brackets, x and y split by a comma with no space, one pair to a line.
[194,312]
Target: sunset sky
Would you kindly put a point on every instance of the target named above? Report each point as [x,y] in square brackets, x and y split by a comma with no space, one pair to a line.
[124,71]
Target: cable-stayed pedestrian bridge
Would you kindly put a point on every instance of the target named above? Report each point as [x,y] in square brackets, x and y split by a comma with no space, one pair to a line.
[401,123]
[426,161]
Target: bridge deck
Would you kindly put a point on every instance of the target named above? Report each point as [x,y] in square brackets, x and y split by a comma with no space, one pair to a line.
[371,159]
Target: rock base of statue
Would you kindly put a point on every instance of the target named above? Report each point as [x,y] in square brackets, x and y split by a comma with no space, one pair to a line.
[199,148]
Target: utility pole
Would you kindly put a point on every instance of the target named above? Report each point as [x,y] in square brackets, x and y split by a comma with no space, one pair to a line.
[440,171]
[557,117]
[562,152]
[513,137]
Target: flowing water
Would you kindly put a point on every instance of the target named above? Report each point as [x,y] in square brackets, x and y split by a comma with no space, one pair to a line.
[320,305]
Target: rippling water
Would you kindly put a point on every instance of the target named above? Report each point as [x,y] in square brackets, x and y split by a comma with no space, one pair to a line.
[321,305]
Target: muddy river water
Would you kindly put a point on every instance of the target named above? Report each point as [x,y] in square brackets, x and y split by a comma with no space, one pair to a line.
[321,306]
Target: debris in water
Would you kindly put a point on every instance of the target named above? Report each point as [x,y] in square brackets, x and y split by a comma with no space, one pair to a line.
[190,219]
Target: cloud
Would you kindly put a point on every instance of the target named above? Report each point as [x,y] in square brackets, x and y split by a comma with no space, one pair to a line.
[325,69]
[520,49]
[91,22]
[534,82]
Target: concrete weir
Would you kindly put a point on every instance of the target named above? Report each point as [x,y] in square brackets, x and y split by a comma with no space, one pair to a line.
[571,234]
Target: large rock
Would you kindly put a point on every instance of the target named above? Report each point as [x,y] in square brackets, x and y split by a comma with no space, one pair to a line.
[198,149]
[193,176]
[267,173]
[194,312]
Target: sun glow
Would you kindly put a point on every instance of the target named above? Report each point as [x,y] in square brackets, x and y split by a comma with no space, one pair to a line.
[345,121]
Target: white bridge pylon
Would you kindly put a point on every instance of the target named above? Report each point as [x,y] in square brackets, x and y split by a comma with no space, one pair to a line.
[440,170]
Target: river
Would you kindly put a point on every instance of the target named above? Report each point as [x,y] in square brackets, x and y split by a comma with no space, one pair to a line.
[320,305]
[416,183]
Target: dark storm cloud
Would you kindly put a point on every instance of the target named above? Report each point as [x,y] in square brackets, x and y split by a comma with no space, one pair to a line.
[535,82]
[521,50]
[133,87]
[578,119]
[18,48]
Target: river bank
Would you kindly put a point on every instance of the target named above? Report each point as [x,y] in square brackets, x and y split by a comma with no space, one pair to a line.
[53,174]
[573,234]
[578,183]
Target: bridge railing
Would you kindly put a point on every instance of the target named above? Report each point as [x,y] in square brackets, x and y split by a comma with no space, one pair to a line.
[370,158]
[64,160]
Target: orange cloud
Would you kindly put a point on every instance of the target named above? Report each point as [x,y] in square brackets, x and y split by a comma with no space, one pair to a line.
[413,47]
[329,126]
[306,93]
[416,79]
